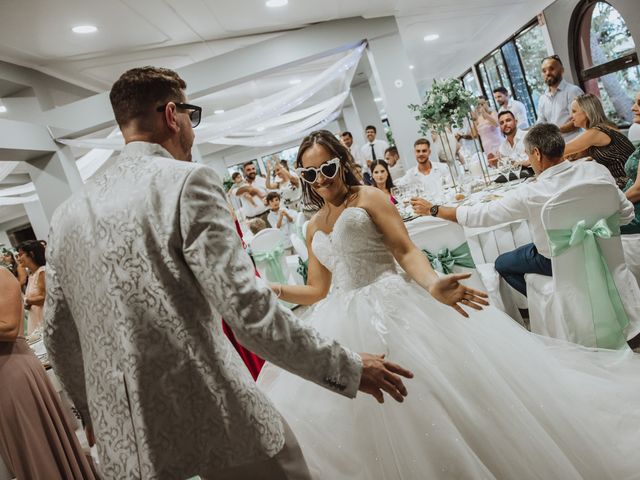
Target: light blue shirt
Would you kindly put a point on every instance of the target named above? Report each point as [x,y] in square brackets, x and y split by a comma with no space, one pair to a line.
[556,108]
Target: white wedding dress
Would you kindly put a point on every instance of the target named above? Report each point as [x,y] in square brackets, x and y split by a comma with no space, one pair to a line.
[488,400]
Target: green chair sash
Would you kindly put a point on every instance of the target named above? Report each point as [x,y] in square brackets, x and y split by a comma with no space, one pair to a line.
[446,259]
[272,258]
[609,316]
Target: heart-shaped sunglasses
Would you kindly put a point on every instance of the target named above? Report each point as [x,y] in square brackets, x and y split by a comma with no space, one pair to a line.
[327,169]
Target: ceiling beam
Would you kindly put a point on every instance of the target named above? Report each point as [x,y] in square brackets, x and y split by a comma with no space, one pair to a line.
[232,68]
[24,140]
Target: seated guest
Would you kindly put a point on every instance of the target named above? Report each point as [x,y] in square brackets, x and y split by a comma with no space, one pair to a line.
[508,104]
[357,171]
[37,441]
[634,129]
[280,217]
[545,147]
[396,168]
[427,173]
[601,140]
[382,178]
[513,145]
[256,225]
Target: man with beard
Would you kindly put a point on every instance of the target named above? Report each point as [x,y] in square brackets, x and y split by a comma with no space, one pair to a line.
[555,105]
[502,98]
[513,145]
[253,205]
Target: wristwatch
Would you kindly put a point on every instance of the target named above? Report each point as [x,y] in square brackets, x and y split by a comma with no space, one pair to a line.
[434,210]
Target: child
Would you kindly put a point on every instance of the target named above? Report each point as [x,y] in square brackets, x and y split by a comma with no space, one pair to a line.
[280,218]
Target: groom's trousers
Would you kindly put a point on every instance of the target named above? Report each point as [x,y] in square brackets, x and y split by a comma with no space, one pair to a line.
[513,265]
[287,464]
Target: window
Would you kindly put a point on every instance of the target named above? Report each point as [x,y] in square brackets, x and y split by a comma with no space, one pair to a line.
[515,65]
[470,84]
[606,59]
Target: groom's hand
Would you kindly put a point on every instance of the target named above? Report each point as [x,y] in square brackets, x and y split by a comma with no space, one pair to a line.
[379,374]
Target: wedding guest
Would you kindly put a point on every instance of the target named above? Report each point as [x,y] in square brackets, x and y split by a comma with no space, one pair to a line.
[485,122]
[426,172]
[600,139]
[257,189]
[372,150]
[31,255]
[287,182]
[134,305]
[382,178]
[555,104]
[396,167]
[545,147]
[256,225]
[634,129]
[37,441]
[8,260]
[357,171]
[280,217]
[513,145]
[519,111]
[347,140]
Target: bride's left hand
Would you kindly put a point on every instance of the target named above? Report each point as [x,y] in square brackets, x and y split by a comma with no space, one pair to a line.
[450,291]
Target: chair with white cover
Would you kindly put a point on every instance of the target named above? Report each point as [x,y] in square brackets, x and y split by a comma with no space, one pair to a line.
[297,237]
[592,298]
[271,260]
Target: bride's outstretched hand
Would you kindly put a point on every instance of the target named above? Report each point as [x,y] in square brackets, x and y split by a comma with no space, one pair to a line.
[450,291]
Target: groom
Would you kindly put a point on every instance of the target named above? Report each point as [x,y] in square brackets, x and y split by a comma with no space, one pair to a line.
[142,263]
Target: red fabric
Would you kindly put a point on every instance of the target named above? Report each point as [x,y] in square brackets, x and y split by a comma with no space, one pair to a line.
[251,360]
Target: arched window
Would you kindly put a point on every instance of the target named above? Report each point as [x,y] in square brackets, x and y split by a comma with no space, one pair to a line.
[605,57]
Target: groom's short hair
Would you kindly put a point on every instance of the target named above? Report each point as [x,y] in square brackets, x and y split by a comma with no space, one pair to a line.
[546,137]
[139,91]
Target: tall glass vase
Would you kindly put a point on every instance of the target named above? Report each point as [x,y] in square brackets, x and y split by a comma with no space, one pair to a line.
[486,177]
[446,147]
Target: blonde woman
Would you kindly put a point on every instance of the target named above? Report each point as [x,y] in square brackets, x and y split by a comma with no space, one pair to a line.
[600,140]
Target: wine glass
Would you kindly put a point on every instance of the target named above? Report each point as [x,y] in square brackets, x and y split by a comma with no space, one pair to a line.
[504,166]
[516,167]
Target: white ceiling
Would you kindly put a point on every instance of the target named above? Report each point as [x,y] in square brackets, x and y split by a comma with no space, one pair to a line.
[175,33]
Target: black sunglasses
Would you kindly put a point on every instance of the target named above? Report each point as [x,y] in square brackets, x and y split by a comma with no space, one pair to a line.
[195,115]
[552,57]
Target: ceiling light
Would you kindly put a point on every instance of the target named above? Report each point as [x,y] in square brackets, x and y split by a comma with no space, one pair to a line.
[218,112]
[269,142]
[431,37]
[85,29]
[276,3]
[411,67]
[377,99]
[295,81]
[3,109]
[260,129]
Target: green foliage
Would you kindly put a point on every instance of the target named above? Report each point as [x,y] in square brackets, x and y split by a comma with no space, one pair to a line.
[447,103]
[227,183]
[389,134]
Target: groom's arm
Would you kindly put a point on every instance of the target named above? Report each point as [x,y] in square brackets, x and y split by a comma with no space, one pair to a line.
[212,249]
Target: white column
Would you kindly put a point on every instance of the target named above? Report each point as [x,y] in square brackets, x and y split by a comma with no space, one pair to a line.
[367,110]
[55,177]
[38,219]
[397,87]
[353,124]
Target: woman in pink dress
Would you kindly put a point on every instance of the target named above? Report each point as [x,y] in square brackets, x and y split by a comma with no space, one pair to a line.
[486,126]
[31,256]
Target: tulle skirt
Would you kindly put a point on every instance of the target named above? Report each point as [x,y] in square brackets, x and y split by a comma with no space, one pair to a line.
[488,400]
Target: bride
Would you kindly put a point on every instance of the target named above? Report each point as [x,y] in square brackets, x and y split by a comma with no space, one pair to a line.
[488,400]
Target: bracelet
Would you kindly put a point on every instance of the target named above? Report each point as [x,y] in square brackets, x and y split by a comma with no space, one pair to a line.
[279,292]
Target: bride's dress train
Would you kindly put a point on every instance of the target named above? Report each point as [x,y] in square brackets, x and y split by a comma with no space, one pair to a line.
[488,400]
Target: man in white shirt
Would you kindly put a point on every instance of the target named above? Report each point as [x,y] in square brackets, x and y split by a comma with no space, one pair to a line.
[396,168]
[555,105]
[514,106]
[513,145]
[347,140]
[372,150]
[427,173]
[545,148]
[256,187]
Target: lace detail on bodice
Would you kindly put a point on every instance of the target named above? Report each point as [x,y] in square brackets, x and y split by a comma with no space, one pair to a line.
[354,251]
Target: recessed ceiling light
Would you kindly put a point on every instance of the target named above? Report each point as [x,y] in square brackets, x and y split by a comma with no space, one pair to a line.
[431,37]
[260,129]
[411,67]
[294,81]
[377,99]
[85,29]
[269,142]
[3,109]
[276,3]
[218,112]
